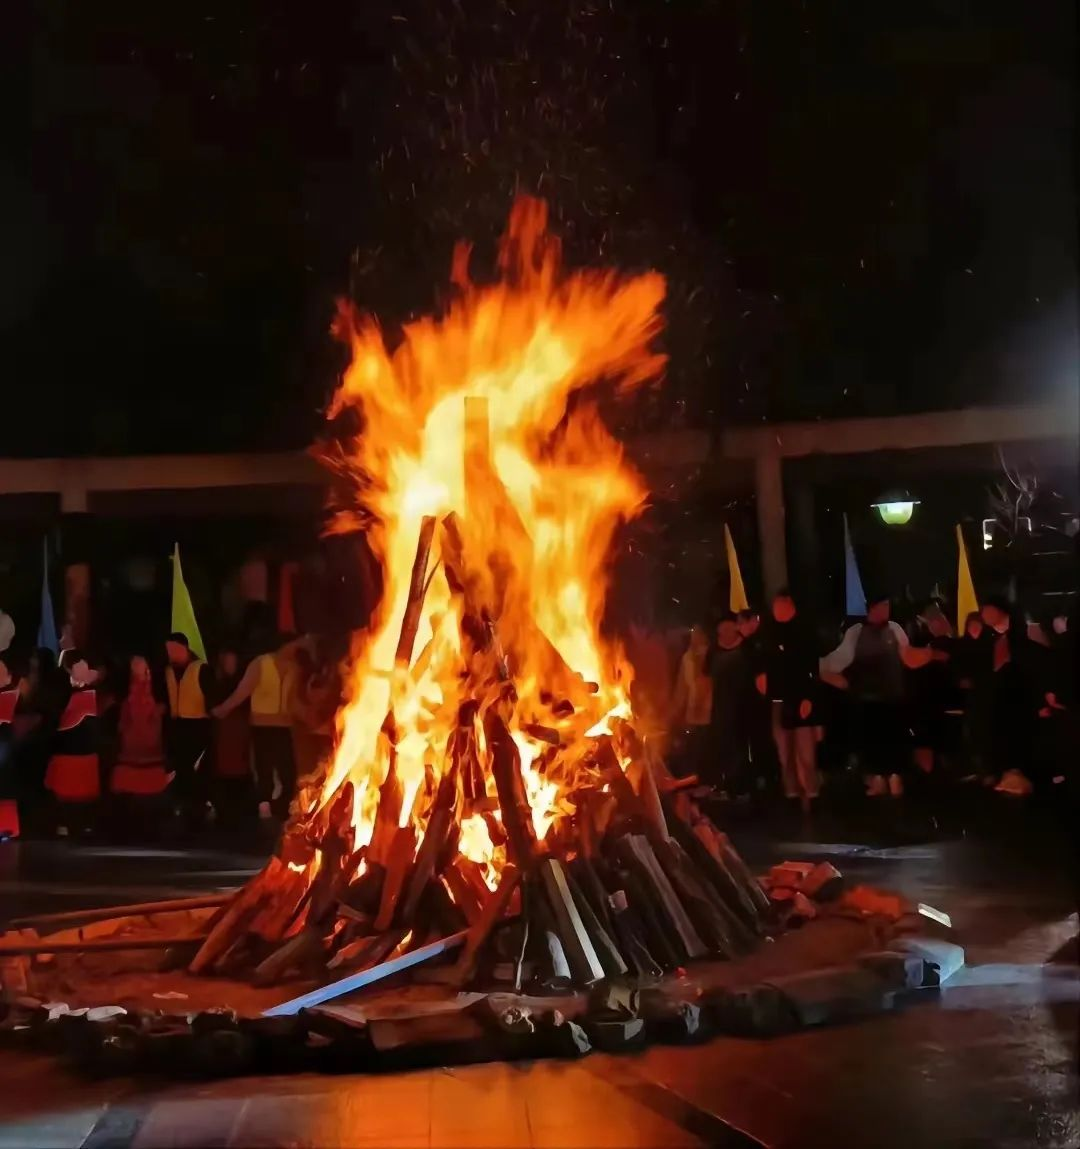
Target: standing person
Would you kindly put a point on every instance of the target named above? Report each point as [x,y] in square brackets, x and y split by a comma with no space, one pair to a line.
[870,661]
[267,684]
[9,792]
[316,698]
[234,790]
[1057,709]
[936,707]
[972,656]
[691,709]
[1017,675]
[42,694]
[139,778]
[187,736]
[730,671]
[759,712]
[789,681]
[73,775]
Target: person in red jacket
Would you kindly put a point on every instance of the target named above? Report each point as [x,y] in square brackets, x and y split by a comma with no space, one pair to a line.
[9,805]
[73,775]
[139,778]
[233,786]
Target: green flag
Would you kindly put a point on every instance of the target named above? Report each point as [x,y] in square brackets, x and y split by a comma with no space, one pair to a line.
[183,613]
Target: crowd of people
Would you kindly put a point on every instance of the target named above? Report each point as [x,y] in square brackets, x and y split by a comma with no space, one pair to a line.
[759,706]
[116,746]
[764,701]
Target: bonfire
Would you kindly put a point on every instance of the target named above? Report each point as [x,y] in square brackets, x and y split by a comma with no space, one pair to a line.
[488,794]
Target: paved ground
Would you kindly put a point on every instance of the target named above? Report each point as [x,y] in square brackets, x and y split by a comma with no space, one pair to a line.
[992,1062]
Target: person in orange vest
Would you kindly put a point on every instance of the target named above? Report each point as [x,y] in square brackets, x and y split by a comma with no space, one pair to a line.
[73,775]
[268,684]
[188,680]
[9,795]
[139,775]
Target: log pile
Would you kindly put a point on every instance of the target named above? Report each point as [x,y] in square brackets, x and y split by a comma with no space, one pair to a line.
[629,878]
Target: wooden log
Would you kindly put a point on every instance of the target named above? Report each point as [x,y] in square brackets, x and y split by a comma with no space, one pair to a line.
[513,801]
[632,938]
[439,909]
[465,967]
[462,893]
[423,868]
[137,909]
[547,950]
[238,913]
[398,865]
[636,850]
[297,952]
[368,952]
[358,980]
[95,945]
[387,814]
[588,881]
[711,865]
[714,923]
[661,940]
[410,621]
[643,778]
[606,949]
[580,953]
[739,868]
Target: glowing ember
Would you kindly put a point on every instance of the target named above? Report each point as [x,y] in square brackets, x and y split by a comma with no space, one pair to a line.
[469,414]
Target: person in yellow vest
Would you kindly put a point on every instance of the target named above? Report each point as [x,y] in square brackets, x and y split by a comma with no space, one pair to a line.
[268,685]
[187,680]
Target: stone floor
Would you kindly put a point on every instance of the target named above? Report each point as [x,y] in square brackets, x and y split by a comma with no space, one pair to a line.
[991,1061]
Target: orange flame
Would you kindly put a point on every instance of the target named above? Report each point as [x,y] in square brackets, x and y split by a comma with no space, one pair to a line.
[539,492]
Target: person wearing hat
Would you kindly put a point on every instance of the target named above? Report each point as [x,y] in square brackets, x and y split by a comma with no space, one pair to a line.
[187,681]
[870,661]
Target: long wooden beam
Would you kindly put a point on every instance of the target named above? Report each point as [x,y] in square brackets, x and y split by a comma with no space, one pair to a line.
[971,425]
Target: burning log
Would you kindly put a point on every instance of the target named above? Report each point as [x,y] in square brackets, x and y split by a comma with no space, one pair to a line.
[513,801]
[410,621]
[463,893]
[465,967]
[304,948]
[398,864]
[238,913]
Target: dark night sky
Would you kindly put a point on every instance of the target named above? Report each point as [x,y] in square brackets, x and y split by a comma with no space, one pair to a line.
[861,206]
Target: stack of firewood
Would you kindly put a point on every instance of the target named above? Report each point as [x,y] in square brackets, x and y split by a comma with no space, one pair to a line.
[630,879]
[645,892]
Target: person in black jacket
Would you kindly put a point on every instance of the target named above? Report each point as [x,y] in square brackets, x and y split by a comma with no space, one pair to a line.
[789,680]
[732,679]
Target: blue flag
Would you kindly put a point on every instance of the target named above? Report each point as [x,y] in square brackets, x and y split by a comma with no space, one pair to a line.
[46,635]
[854,598]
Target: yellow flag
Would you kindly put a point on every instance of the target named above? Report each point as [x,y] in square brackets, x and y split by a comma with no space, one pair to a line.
[183,613]
[966,602]
[738,600]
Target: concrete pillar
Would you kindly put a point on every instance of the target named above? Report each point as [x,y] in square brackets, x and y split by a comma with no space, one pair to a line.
[769,491]
[807,585]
